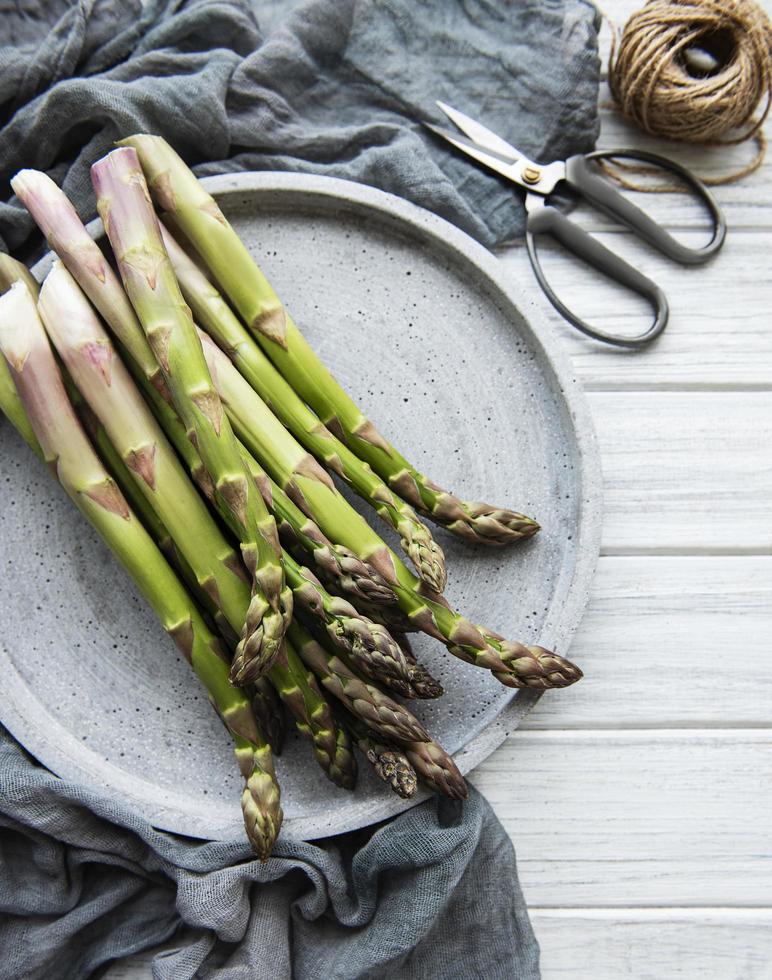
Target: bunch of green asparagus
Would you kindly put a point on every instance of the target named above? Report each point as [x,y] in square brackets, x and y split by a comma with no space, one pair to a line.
[192,424]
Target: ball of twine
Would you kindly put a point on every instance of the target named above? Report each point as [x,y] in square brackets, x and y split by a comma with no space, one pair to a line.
[696,70]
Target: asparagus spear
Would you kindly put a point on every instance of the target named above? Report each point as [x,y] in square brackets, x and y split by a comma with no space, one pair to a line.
[303,480]
[70,455]
[423,684]
[124,206]
[335,562]
[218,320]
[370,645]
[65,233]
[265,701]
[10,404]
[389,761]
[177,191]
[367,642]
[376,709]
[103,381]
[313,717]
[512,663]
[269,713]
[12,271]
[436,768]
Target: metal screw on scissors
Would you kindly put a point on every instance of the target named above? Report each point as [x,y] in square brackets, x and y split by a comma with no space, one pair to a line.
[582,175]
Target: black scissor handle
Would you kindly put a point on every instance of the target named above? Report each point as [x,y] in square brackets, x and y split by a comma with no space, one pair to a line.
[587,180]
[548,220]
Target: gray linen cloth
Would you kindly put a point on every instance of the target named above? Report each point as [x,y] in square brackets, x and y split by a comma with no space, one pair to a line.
[431,895]
[323,86]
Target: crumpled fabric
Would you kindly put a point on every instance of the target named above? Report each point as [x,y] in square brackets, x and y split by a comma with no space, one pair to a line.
[332,87]
[431,895]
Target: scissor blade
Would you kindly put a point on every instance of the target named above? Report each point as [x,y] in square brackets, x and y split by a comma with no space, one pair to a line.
[480,134]
[502,165]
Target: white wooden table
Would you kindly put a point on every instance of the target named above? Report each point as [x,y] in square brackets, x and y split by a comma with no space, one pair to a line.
[640,801]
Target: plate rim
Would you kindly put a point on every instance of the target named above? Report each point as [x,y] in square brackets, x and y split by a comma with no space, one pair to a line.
[176,818]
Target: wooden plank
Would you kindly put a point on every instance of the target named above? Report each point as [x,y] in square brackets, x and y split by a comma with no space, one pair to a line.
[637,818]
[717,337]
[651,944]
[661,638]
[686,472]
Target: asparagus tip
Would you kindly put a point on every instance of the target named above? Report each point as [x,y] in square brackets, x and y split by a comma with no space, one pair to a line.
[425,554]
[262,812]
[538,669]
[395,770]
[496,526]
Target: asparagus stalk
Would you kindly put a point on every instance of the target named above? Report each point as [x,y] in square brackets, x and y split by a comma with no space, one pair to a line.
[70,455]
[335,562]
[368,643]
[265,701]
[351,574]
[313,717]
[269,713]
[381,713]
[512,663]
[58,220]
[177,192]
[12,271]
[218,320]
[103,381]
[124,205]
[421,684]
[392,617]
[389,762]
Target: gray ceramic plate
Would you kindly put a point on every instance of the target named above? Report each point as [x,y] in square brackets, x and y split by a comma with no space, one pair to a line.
[444,351]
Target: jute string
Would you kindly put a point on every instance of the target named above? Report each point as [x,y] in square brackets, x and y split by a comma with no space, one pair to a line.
[694,70]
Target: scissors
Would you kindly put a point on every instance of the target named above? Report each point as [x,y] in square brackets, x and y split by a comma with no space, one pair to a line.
[582,175]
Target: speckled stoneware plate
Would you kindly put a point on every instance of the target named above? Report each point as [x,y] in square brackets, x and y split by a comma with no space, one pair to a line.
[452,360]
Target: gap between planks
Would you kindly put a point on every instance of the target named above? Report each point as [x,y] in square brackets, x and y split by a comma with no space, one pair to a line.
[626,736]
[684,913]
[685,472]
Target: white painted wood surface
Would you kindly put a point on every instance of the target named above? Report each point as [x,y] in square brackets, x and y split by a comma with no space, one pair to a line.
[640,801]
